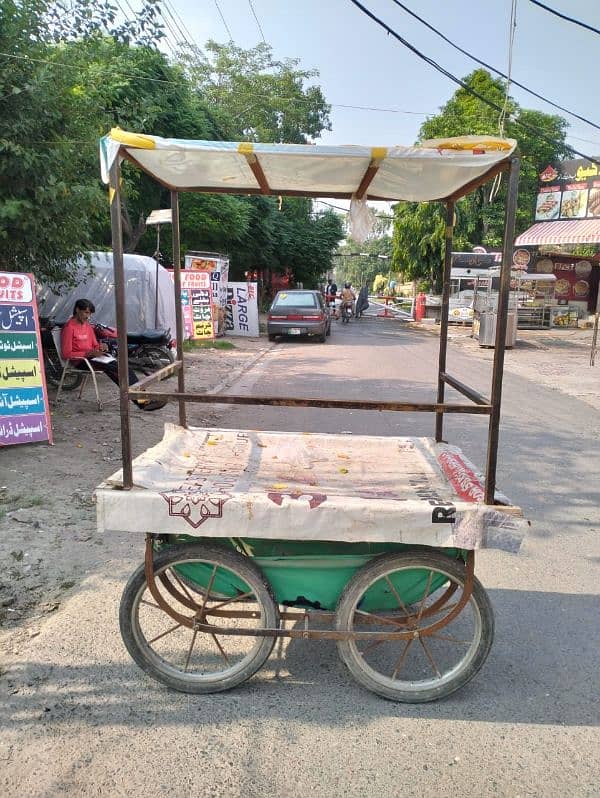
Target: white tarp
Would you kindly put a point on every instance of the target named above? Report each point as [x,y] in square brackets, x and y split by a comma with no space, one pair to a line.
[434,169]
[224,483]
[241,312]
[99,288]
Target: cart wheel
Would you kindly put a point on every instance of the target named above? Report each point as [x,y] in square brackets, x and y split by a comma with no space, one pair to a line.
[412,591]
[188,659]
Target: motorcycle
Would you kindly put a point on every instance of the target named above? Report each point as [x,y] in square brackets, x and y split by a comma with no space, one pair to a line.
[147,351]
[346,311]
[52,364]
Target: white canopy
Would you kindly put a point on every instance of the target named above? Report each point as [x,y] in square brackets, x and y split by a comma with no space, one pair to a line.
[436,169]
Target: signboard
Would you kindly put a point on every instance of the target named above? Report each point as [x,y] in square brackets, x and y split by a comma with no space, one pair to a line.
[217,266]
[196,304]
[569,190]
[465,264]
[24,411]
[573,277]
[241,313]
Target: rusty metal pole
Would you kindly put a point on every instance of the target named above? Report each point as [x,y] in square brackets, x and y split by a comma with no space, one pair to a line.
[439,416]
[123,359]
[501,322]
[178,308]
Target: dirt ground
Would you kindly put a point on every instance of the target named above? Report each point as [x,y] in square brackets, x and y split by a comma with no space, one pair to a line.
[48,538]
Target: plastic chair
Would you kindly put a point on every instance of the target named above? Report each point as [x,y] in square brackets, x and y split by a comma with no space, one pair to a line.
[69,368]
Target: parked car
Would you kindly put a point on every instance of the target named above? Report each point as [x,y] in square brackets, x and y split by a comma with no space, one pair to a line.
[299,312]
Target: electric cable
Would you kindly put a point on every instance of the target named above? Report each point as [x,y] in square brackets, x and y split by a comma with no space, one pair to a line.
[564,16]
[251,4]
[224,22]
[391,32]
[491,68]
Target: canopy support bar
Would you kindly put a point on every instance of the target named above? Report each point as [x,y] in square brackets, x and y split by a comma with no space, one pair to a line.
[114,193]
[439,417]
[368,176]
[178,308]
[500,343]
[258,173]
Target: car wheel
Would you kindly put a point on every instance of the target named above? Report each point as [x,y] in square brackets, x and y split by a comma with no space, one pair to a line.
[271,337]
[328,331]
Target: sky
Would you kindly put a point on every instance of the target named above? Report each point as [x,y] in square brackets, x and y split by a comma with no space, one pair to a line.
[360,65]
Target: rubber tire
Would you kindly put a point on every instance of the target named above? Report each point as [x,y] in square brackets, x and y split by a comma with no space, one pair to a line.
[162,355]
[322,338]
[328,332]
[272,337]
[54,370]
[360,582]
[246,568]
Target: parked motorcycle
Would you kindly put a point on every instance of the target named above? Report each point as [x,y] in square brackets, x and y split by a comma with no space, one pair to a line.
[148,350]
[52,364]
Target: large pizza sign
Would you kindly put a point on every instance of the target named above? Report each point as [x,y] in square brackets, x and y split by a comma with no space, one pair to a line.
[569,190]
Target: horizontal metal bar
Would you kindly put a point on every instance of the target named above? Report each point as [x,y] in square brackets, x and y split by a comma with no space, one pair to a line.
[156,376]
[339,404]
[464,389]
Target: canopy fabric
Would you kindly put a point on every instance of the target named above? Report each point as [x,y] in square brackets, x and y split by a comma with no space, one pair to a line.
[577,231]
[436,169]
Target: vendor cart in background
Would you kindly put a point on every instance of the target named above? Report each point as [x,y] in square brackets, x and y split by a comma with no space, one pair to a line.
[487,309]
[252,536]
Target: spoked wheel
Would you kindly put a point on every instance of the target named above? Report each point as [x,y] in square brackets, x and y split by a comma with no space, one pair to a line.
[414,592]
[200,584]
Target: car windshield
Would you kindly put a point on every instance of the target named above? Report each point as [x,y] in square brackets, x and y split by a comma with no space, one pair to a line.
[296,300]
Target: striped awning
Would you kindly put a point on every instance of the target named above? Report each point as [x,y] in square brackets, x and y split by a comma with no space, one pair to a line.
[576,231]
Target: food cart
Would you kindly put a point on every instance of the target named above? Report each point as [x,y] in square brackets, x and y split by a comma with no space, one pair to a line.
[254,536]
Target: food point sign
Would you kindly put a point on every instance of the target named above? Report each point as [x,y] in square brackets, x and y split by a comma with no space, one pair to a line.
[24,413]
[569,190]
[197,305]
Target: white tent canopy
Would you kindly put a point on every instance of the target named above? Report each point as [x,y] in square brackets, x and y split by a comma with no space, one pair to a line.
[99,287]
[433,170]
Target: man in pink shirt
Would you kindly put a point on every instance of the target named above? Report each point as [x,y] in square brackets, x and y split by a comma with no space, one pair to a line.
[78,340]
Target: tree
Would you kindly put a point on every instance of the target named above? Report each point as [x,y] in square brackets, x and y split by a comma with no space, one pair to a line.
[418,229]
[257,98]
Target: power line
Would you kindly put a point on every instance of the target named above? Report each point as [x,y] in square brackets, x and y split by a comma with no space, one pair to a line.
[224,23]
[564,16]
[491,68]
[460,82]
[257,22]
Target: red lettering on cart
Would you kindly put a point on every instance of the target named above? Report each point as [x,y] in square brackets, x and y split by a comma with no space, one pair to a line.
[315,499]
[464,481]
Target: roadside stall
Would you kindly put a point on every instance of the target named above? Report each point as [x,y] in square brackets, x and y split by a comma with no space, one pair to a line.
[253,536]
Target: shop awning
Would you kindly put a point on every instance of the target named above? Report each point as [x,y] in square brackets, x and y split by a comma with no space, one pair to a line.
[577,231]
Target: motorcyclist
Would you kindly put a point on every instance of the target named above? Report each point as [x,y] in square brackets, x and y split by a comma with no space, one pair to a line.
[348,297]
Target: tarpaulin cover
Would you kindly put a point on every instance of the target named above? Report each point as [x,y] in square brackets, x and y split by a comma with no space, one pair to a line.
[278,485]
[99,288]
[434,169]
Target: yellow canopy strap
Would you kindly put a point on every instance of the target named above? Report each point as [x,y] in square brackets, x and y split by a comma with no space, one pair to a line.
[139,140]
[378,154]
[482,144]
[246,148]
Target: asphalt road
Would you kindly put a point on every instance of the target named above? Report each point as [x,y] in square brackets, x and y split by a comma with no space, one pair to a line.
[93,724]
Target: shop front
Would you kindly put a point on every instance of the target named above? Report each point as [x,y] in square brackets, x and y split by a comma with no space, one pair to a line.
[567,222]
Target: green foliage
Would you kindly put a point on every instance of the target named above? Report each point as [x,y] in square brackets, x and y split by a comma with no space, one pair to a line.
[362,269]
[256,97]
[379,283]
[419,229]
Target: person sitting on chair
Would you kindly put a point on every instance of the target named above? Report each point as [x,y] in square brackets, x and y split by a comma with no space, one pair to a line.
[78,340]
